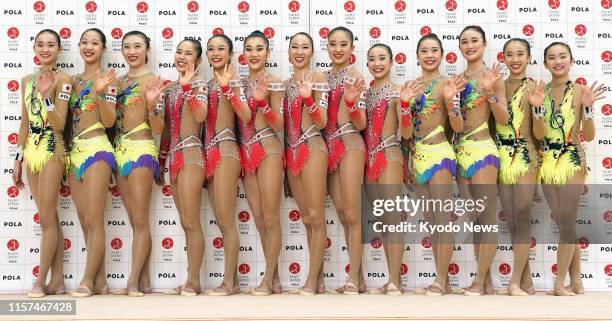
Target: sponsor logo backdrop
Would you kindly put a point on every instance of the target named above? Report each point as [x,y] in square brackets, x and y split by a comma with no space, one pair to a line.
[399,23]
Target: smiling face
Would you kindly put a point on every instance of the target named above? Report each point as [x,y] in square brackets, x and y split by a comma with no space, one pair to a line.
[516,57]
[558,60]
[472,45]
[300,51]
[186,54]
[134,50]
[91,47]
[256,53]
[429,55]
[217,52]
[379,62]
[340,47]
[46,48]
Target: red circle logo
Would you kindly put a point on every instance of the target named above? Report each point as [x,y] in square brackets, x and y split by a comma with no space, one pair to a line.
[583,242]
[244,216]
[116,243]
[608,270]
[12,32]
[451,58]
[244,268]
[166,190]
[553,268]
[116,33]
[324,32]
[376,242]
[67,244]
[294,6]
[218,242]
[533,242]
[167,33]
[269,32]
[504,269]
[65,191]
[243,6]
[347,268]
[294,215]
[65,33]
[554,4]
[607,216]
[91,7]
[142,7]
[375,32]
[12,138]
[39,6]
[581,80]
[328,243]
[453,269]
[451,5]
[349,6]
[606,4]
[193,6]
[502,216]
[167,243]
[115,191]
[500,56]
[528,30]
[36,61]
[12,245]
[36,270]
[580,29]
[294,268]
[454,217]
[425,30]
[400,6]
[426,242]
[36,218]
[12,191]
[400,58]
[353,59]
[13,85]
[218,31]
[403,269]
[502,4]
[606,56]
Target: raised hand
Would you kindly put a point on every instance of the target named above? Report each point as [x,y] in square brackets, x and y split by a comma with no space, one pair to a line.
[305,86]
[45,81]
[490,77]
[189,73]
[592,94]
[410,90]
[229,73]
[102,81]
[153,89]
[352,91]
[260,92]
[536,94]
[452,87]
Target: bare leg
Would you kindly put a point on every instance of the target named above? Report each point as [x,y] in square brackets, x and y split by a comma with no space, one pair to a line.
[390,180]
[440,188]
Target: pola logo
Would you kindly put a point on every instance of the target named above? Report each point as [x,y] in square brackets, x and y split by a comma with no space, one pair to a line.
[218,31]
[12,32]
[608,270]
[400,58]
[400,6]
[167,191]
[349,6]
[91,6]
[606,56]
[243,6]
[167,243]
[451,58]
[65,33]
[116,243]
[12,245]
[580,30]
[581,81]
[504,269]
[116,33]
[67,244]
[12,138]
[528,30]
[244,216]
[451,5]
[13,85]
[324,32]
[193,6]
[375,32]
[294,6]
[39,6]
[269,32]
[218,242]
[12,191]
[502,4]
[36,270]
[425,30]
[607,216]
[294,215]
[167,33]
[554,4]
[376,242]
[142,7]
[426,242]
[453,269]
[294,268]
[36,218]
[583,242]
[606,4]
[244,268]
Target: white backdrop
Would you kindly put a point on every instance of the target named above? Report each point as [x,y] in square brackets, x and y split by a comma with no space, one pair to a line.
[584,24]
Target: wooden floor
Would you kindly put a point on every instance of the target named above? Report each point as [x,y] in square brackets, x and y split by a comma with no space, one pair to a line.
[591,306]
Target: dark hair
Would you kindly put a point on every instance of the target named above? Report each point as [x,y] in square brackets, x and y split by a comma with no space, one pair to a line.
[348,32]
[99,32]
[196,44]
[55,34]
[557,43]
[475,28]
[227,40]
[382,45]
[143,36]
[431,36]
[301,33]
[521,40]
[258,34]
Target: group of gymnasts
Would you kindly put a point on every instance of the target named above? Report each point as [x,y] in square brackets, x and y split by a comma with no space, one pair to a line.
[338,134]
